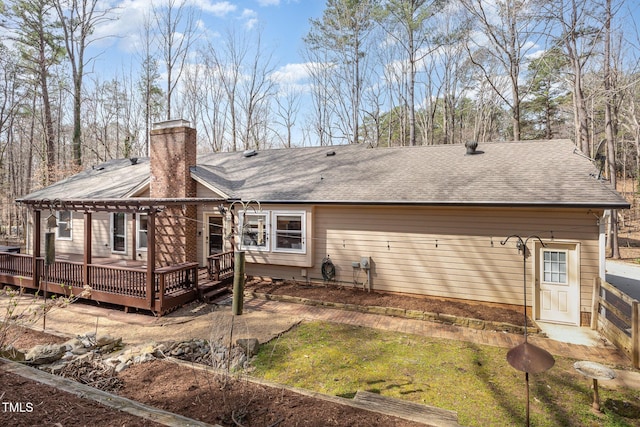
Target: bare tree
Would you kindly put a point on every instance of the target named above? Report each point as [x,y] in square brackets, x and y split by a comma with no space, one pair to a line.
[406,23]
[214,104]
[288,101]
[148,88]
[227,62]
[609,124]
[322,95]
[342,34]
[508,27]
[175,23]
[575,33]
[452,37]
[257,92]
[78,20]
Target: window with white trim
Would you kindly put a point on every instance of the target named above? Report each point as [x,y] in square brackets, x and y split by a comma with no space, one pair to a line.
[141,232]
[118,232]
[254,228]
[555,267]
[289,232]
[65,225]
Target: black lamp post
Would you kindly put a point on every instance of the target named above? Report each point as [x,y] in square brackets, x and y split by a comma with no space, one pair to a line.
[527,357]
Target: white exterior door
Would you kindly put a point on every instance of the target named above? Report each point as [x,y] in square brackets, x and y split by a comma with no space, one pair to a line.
[558,284]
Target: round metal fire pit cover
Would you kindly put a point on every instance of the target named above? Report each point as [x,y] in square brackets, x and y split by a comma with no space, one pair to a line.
[594,370]
[529,358]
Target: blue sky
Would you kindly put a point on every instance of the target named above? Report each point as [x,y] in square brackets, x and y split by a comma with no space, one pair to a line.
[283,24]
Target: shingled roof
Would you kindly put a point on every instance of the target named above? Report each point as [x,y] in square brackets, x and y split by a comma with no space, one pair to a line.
[527,173]
[110,180]
[513,173]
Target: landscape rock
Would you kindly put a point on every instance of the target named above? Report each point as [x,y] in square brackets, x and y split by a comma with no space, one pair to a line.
[121,367]
[45,354]
[76,346]
[249,345]
[107,343]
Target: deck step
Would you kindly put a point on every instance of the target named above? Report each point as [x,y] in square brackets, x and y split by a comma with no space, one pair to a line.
[428,415]
[210,293]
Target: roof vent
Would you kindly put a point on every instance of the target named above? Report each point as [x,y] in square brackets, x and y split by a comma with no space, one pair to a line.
[249,153]
[471,147]
[331,153]
[133,160]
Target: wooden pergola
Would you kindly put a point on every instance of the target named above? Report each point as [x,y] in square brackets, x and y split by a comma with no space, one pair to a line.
[165,287]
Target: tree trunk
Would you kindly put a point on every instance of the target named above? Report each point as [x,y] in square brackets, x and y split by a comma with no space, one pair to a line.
[50,141]
[608,130]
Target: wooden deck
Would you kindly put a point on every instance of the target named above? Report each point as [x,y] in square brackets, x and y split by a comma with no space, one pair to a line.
[119,282]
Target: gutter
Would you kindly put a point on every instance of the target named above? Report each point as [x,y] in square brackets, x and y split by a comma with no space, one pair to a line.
[589,205]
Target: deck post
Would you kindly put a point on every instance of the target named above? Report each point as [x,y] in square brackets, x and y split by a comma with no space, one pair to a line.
[87,249]
[238,284]
[151,257]
[36,247]
[595,303]
[635,331]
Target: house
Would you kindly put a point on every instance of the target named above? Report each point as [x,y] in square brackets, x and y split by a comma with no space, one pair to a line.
[426,220]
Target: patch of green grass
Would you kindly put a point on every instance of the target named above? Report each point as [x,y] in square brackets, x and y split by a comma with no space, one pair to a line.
[474,380]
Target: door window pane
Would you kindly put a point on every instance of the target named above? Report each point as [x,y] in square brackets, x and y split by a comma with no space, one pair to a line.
[555,266]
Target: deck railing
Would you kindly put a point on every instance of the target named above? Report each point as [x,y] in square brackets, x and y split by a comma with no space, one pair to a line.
[118,280]
[115,284]
[176,278]
[617,316]
[15,264]
[220,266]
[63,272]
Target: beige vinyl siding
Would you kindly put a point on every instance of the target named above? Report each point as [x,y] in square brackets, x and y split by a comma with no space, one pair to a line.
[100,236]
[448,252]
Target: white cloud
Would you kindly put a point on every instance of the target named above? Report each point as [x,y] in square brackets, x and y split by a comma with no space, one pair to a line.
[218,8]
[291,73]
[269,2]
[250,17]
[128,16]
[249,14]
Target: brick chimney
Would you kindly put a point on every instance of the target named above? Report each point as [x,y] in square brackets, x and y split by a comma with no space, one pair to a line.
[172,151]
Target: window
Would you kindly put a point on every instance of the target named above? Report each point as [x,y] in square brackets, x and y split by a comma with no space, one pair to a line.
[65,225]
[254,228]
[285,229]
[555,267]
[118,232]
[141,232]
[289,232]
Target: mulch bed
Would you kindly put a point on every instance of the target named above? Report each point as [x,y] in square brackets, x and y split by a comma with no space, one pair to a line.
[352,295]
